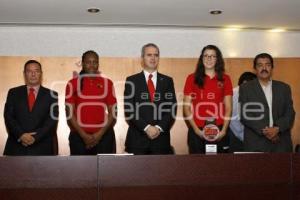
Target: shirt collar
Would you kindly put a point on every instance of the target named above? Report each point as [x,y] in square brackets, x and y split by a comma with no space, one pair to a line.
[92,76]
[208,77]
[36,88]
[147,74]
[265,86]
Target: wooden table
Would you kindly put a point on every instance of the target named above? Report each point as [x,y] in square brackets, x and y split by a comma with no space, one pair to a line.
[226,176]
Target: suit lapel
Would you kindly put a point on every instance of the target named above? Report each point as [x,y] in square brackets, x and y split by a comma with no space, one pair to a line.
[275,97]
[260,93]
[159,85]
[143,84]
[24,96]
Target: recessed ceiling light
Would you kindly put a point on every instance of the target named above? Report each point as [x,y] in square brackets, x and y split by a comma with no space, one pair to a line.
[277,30]
[93,10]
[233,28]
[215,12]
[232,54]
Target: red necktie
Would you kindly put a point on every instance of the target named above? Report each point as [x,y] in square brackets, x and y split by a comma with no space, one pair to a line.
[151,87]
[31,99]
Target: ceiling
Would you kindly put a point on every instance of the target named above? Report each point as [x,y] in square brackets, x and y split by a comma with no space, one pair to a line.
[252,14]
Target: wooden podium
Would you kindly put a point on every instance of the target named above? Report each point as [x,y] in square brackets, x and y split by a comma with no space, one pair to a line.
[45,178]
[226,176]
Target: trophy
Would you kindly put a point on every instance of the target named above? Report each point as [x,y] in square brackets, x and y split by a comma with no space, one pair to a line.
[211,132]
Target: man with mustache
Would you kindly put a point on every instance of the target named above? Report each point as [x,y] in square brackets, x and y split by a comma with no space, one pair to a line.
[266,110]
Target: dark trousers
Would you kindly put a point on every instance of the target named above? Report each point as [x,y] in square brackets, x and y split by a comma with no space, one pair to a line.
[42,148]
[197,144]
[107,144]
[235,145]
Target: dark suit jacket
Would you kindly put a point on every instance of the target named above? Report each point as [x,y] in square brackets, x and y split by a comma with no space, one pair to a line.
[19,120]
[283,116]
[140,111]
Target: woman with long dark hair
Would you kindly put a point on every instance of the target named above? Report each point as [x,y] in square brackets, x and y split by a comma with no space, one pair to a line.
[207,100]
[91,109]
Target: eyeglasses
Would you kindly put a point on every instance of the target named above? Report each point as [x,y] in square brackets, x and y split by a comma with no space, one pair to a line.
[209,56]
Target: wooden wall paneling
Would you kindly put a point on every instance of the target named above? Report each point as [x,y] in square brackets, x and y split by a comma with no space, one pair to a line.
[58,70]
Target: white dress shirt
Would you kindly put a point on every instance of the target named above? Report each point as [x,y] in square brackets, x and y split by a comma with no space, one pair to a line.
[36,90]
[154,80]
[235,125]
[154,77]
[268,94]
